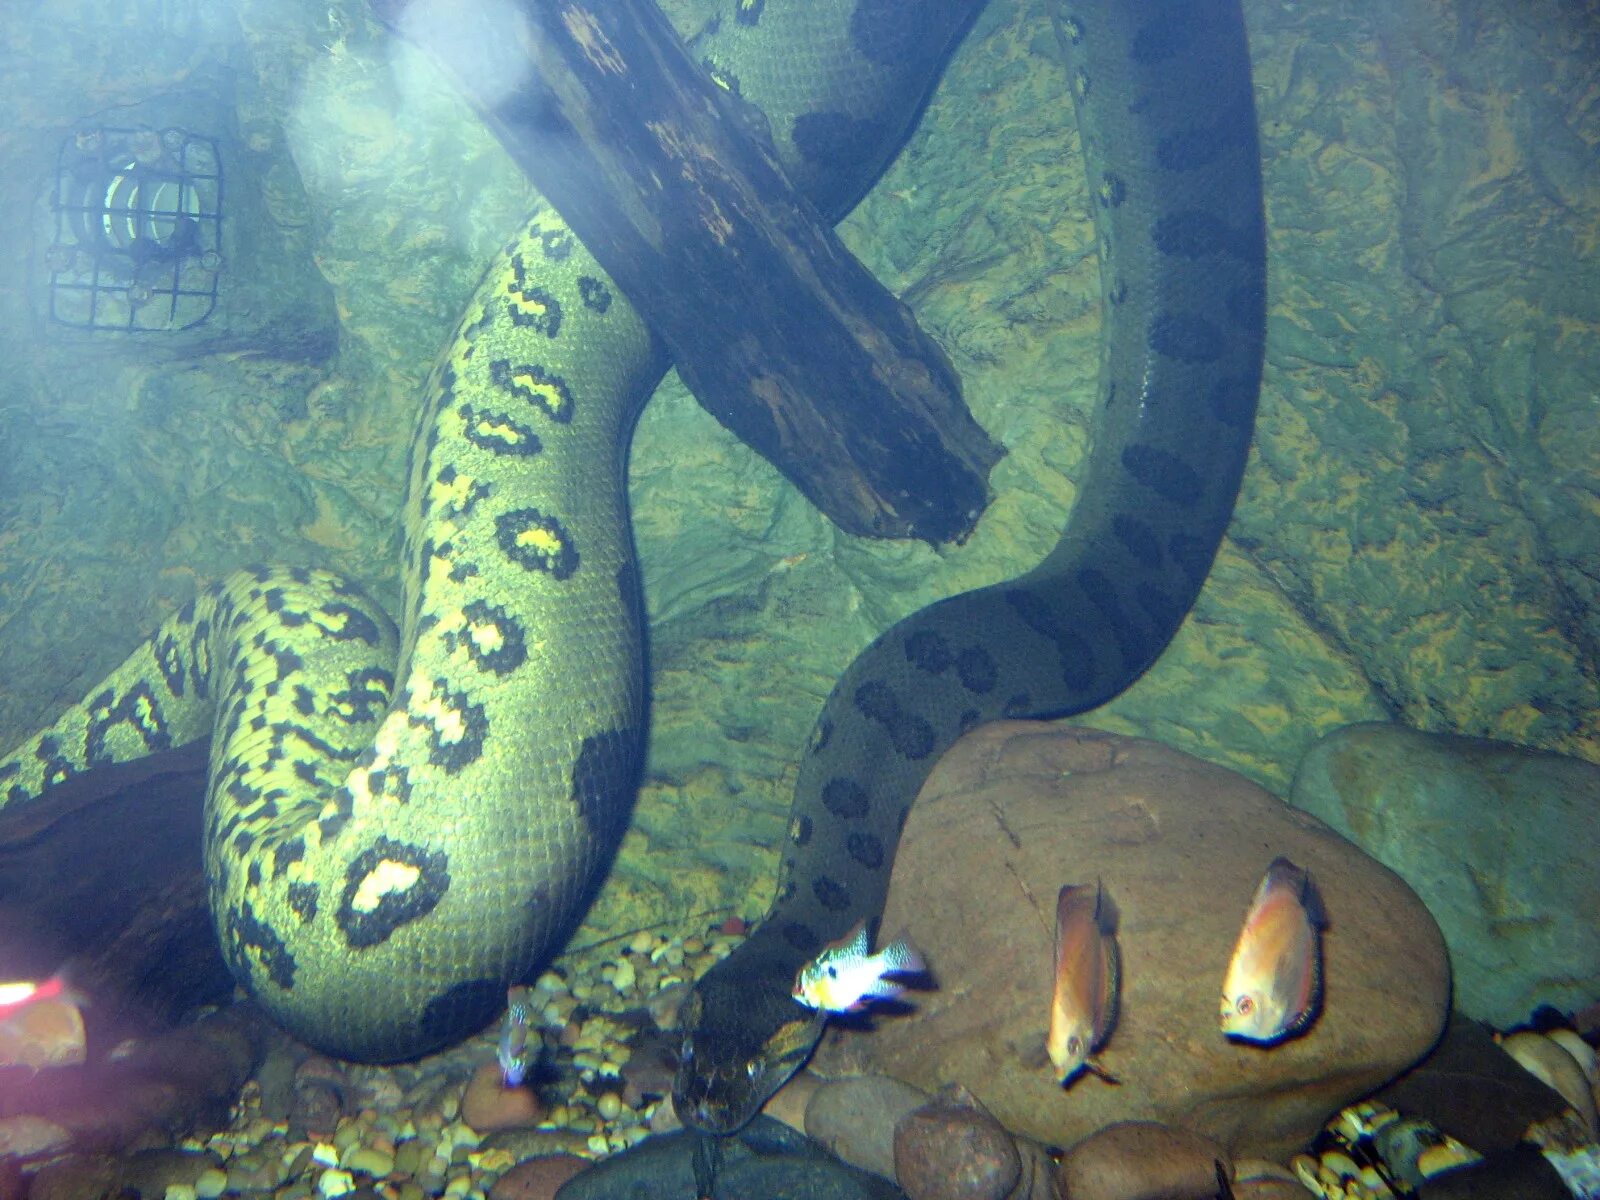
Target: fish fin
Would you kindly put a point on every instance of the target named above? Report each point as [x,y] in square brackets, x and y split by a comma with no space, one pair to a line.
[1106,915]
[1094,1068]
[1224,1185]
[901,958]
[1110,1000]
[854,942]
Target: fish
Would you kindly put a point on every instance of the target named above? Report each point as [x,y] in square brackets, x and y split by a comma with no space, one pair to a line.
[41,1023]
[846,977]
[514,1054]
[1083,1004]
[1273,987]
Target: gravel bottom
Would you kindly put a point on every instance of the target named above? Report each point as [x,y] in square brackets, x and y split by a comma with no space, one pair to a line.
[402,1133]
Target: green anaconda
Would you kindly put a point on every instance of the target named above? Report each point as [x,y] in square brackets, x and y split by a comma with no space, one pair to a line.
[400,822]
[1166,114]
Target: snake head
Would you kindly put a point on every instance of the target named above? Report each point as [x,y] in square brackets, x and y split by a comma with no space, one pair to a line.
[743,1037]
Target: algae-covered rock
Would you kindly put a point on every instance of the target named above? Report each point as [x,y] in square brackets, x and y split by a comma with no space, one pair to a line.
[1502,843]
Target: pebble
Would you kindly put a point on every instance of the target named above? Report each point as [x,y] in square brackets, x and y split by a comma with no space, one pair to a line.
[369,1160]
[334,1182]
[211,1183]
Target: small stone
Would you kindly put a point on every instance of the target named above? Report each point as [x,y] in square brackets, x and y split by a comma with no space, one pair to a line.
[334,1182]
[641,942]
[537,1178]
[1143,1160]
[609,1106]
[368,1160]
[211,1183]
[624,977]
[953,1149]
[488,1104]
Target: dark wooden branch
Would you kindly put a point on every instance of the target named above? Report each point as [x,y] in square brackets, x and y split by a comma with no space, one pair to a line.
[778,330]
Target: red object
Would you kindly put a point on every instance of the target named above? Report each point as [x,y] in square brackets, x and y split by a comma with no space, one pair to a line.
[734,927]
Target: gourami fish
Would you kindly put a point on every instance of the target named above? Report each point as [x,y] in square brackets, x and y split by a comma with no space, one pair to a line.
[1274,982]
[514,1054]
[1083,1005]
[41,1024]
[845,977]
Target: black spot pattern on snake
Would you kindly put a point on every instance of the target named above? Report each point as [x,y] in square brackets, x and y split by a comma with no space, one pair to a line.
[138,709]
[498,433]
[554,244]
[1138,539]
[253,874]
[830,893]
[928,651]
[595,295]
[302,899]
[387,886]
[245,934]
[464,743]
[1163,609]
[827,138]
[866,850]
[531,307]
[883,31]
[286,853]
[1187,338]
[363,698]
[976,669]
[911,736]
[1193,234]
[1076,657]
[1103,594]
[846,799]
[601,793]
[459,502]
[800,936]
[536,542]
[1164,473]
[545,390]
[493,638]
[470,1004]
[169,660]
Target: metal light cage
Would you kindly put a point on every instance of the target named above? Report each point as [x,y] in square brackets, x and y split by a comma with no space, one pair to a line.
[138,230]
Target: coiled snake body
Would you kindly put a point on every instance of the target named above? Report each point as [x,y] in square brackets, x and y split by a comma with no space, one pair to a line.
[402,821]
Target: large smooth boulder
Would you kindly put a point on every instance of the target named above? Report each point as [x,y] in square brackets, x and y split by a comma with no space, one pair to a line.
[1500,841]
[1015,810]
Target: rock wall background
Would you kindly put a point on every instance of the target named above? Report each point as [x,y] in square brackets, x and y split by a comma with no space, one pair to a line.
[1419,530]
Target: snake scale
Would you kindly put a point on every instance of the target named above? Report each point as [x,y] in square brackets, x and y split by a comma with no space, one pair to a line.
[403,818]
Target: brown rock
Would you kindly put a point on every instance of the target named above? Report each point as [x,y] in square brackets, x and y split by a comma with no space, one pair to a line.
[1015,810]
[952,1148]
[1141,1160]
[537,1178]
[488,1104]
[1270,1189]
[855,1119]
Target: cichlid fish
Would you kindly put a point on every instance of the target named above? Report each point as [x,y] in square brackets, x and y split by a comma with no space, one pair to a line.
[1274,982]
[1083,1005]
[845,977]
[514,1053]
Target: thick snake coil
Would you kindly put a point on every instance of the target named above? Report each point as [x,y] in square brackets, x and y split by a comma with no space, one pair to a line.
[399,824]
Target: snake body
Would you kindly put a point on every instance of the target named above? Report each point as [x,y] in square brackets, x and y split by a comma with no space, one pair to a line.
[404,817]
[1164,105]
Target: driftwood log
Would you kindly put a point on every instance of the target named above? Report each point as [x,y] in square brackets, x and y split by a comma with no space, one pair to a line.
[777,329]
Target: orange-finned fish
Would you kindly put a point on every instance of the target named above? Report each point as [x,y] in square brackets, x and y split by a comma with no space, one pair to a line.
[40,1023]
[1083,1006]
[1274,982]
[514,1053]
[845,977]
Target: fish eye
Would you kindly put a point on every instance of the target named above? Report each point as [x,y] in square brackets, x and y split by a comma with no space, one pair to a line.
[1246,1006]
[753,1068]
[1074,1046]
[831,971]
